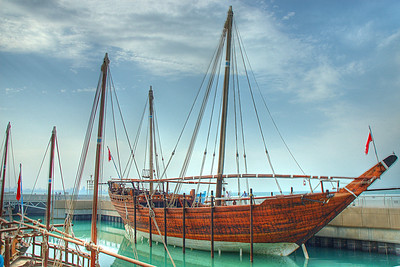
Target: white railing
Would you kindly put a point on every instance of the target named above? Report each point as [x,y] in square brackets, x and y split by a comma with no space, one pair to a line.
[378,200]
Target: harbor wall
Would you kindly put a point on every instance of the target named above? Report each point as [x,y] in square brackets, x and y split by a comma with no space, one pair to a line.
[370,223]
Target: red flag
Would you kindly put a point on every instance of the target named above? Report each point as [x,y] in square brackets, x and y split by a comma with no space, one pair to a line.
[368,141]
[109,154]
[19,189]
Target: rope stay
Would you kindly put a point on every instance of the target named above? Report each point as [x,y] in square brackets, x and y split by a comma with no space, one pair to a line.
[265,103]
[211,78]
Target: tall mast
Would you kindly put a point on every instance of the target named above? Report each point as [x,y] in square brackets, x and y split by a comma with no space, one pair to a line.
[221,159]
[51,172]
[104,69]
[151,167]
[4,163]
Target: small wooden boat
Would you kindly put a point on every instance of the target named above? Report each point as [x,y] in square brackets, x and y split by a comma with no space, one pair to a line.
[276,225]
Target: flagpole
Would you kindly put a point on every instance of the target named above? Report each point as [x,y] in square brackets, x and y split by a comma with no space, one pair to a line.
[373,141]
[22,198]
[112,158]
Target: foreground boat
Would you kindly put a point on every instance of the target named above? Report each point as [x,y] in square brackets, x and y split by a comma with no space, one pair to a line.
[276,225]
[280,224]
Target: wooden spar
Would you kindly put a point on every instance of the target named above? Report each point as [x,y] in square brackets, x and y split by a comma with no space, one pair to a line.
[104,69]
[221,156]
[7,252]
[151,97]
[251,225]
[183,223]
[150,232]
[4,165]
[165,221]
[231,176]
[134,217]
[51,171]
[212,224]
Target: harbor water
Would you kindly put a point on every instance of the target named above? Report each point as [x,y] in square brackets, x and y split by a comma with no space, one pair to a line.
[112,236]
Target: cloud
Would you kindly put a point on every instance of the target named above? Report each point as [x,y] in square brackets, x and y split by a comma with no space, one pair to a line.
[13,90]
[162,33]
[289,15]
[319,83]
[85,90]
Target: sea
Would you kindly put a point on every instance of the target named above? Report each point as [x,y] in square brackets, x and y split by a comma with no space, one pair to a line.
[111,236]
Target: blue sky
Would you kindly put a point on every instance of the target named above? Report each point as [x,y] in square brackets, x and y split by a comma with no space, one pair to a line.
[327,69]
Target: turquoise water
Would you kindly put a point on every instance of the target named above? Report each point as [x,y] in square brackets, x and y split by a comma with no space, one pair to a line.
[111,236]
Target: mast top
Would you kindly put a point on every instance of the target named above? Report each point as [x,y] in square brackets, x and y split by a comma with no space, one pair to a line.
[228,19]
[105,63]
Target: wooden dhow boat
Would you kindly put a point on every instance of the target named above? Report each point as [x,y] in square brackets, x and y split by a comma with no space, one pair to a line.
[276,224]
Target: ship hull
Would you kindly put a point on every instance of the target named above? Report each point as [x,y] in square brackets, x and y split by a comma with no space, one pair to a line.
[278,249]
[277,226]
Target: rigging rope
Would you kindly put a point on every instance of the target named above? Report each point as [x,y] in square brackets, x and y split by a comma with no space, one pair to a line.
[119,172]
[201,114]
[209,127]
[85,148]
[132,155]
[265,104]
[258,118]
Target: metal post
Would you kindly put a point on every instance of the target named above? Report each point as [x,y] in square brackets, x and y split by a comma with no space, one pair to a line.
[251,225]
[183,223]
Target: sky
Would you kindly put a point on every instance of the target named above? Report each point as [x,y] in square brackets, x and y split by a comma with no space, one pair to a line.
[327,70]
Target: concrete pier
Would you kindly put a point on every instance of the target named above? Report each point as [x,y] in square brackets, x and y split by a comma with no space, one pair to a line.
[371,223]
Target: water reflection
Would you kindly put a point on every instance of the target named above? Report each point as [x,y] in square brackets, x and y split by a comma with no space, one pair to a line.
[112,237]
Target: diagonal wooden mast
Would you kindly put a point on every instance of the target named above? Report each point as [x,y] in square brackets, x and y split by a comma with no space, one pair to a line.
[104,69]
[221,159]
[4,163]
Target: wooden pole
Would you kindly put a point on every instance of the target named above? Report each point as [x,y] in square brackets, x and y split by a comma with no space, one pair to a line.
[151,97]
[4,165]
[221,155]
[212,225]
[251,225]
[104,69]
[184,223]
[7,256]
[165,221]
[134,218]
[150,226]
[33,245]
[51,171]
